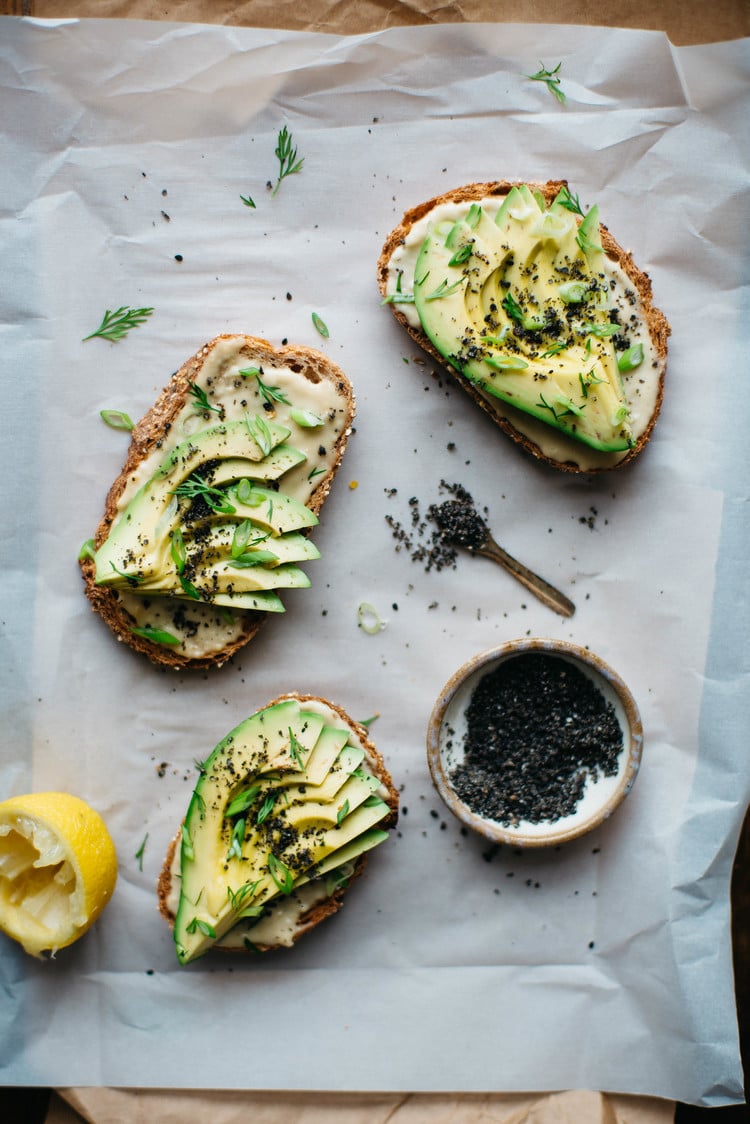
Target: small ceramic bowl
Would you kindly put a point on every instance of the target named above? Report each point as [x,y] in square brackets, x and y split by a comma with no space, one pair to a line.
[446,736]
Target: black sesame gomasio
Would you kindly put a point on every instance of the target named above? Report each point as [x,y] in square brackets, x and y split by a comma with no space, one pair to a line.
[537,729]
[460,523]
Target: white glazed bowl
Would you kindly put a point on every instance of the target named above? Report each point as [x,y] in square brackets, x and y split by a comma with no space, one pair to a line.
[447,729]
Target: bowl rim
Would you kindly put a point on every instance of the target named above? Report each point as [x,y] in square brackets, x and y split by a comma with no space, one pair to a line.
[492,830]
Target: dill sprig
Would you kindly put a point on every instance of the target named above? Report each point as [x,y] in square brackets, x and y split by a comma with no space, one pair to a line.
[194,487]
[286,154]
[201,398]
[551,79]
[115,325]
[569,201]
[141,851]
[269,394]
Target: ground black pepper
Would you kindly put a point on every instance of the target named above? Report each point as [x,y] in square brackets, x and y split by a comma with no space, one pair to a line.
[537,727]
[433,540]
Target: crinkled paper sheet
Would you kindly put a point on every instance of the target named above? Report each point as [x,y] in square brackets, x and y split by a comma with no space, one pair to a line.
[604,965]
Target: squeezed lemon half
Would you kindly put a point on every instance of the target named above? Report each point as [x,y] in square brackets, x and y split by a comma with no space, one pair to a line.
[58,868]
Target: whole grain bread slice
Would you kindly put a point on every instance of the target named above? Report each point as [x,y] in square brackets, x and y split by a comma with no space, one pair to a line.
[511,420]
[308,919]
[149,434]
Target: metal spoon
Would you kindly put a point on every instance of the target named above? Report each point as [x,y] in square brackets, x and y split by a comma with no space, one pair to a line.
[542,589]
[462,525]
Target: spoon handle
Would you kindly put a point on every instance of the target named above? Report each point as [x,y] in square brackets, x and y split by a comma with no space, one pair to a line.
[538,586]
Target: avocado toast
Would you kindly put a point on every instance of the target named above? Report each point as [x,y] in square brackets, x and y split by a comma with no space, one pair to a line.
[282,816]
[542,318]
[208,522]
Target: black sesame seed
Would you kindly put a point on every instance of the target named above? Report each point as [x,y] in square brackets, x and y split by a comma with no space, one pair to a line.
[537,729]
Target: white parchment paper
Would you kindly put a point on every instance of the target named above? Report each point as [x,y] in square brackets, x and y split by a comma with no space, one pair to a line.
[603,965]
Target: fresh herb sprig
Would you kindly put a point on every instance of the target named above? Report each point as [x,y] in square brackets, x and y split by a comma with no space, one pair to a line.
[296,749]
[194,487]
[141,851]
[286,154]
[551,79]
[116,325]
[269,394]
[201,398]
[569,201]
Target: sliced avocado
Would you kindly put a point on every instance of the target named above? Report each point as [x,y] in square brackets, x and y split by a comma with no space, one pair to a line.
[273,511]
[152,511]
[205,527]
[288,547]
[281,459]
[257,824]
[494,297]
[222,578]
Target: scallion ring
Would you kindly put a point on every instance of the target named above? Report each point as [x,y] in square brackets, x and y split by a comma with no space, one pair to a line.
[369,619]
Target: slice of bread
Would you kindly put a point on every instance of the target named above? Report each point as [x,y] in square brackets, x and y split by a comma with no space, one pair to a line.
[302,911]
[292,376]
[541,441]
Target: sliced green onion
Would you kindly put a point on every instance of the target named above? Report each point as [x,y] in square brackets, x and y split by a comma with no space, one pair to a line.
[256,558]
[399,298]
[158,635]
[246,495]
[601,331]
[266,808]
[573,292]
[117,419]
[189,588]
[187,843]
[177,550]
[260,433]
[342,813]
[368,618]
[320,326]
[241,538]
[242,801]
[631,358]
[462,255]
[306,418]
[506,362]
[569,405]
[281,874]
[238,838]
[496,341]
[88,550]
[473,215]
[203,927]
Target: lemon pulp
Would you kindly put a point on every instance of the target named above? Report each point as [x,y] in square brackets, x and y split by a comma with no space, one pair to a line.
[58,869]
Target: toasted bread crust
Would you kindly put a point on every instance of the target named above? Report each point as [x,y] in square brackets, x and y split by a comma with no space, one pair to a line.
[311,918]
[657,323]
[145,437]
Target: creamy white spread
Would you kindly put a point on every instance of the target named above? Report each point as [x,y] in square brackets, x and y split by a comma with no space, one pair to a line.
[207,629]
[641,385]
